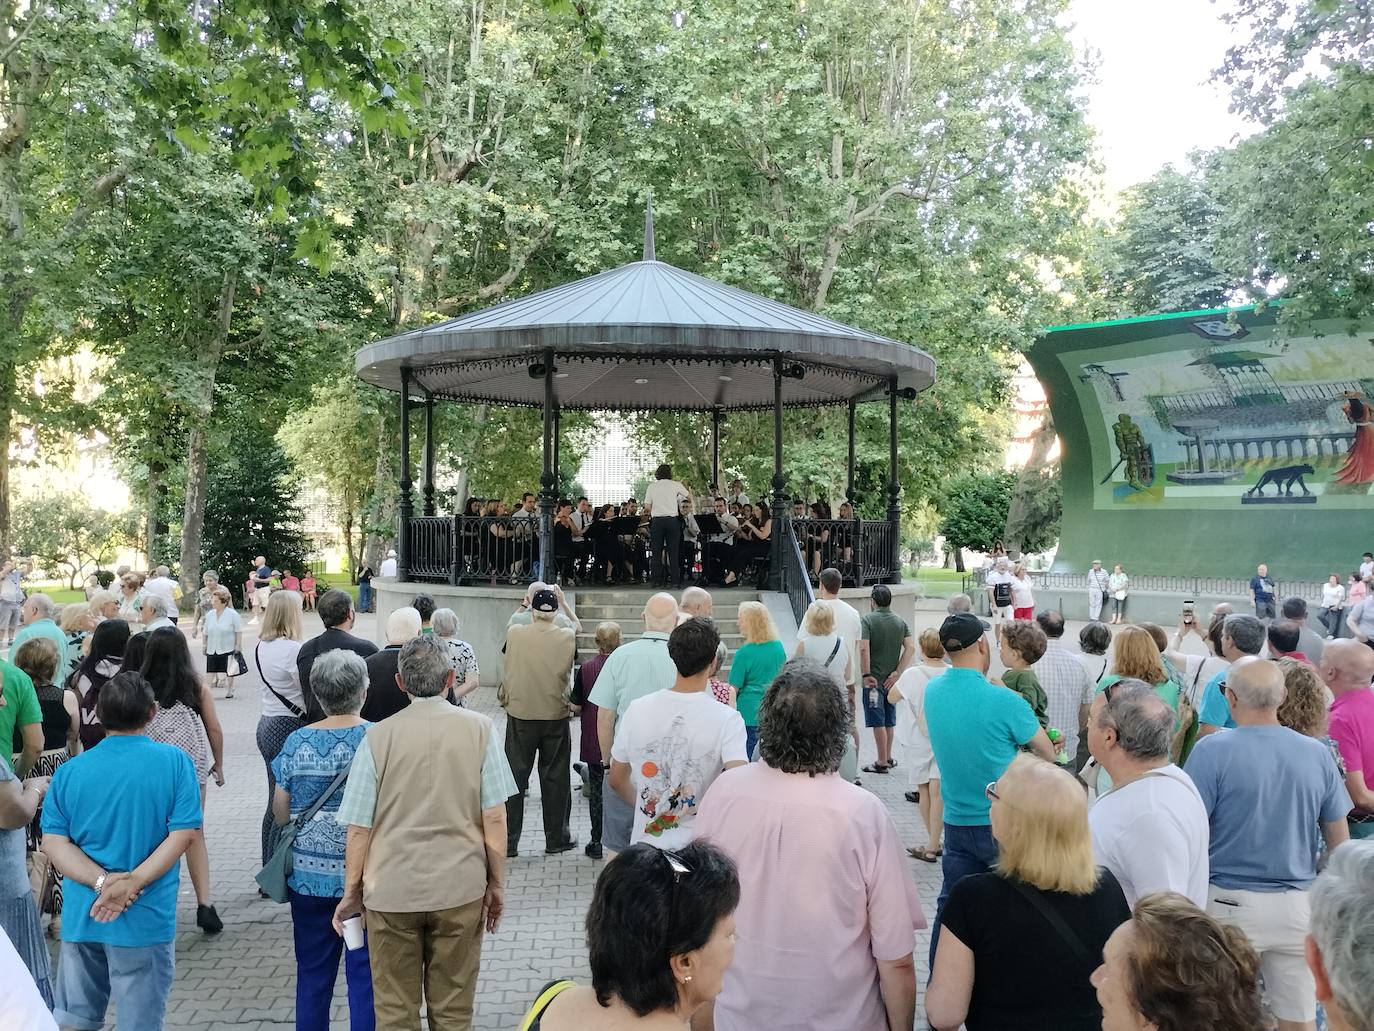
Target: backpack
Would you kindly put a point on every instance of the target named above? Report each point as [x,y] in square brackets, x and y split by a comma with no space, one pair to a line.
[1001,594]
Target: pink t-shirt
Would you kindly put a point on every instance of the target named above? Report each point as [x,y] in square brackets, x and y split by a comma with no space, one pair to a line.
[824,893]
[1352,728]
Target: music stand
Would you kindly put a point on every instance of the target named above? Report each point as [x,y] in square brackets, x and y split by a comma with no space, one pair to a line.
[708,524]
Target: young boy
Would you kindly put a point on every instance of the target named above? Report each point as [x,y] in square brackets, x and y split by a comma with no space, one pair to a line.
[1022,644]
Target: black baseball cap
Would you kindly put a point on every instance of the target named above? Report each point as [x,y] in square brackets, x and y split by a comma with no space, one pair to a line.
[961,630]
[544,601]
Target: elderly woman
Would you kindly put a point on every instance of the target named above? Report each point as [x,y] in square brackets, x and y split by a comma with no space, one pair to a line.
[108,645]
[1171,967]
[798,831]
[1094,640]
[19,919]
[283,703]
[77,623]
[660,938]
[105,605]
[444,622]
[584,679]
[130,597]
[223,638]
[757,662]
[384,696]
[1047,899]
[305,768]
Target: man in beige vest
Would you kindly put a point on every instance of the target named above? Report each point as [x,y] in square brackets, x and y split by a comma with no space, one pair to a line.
[427,865]
[534,692]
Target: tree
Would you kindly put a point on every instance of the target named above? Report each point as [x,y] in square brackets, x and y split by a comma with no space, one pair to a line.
[1037,499]
[975,512]
[65,533]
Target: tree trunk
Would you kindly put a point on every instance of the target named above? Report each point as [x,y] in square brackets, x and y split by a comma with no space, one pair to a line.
[197,445]
[150,521]
[350,551]
[959,560]
[479,419]
[1041,445]
[8,375]
[385,507]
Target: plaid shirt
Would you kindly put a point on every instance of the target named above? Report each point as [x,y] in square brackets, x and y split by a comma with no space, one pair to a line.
[1067,685]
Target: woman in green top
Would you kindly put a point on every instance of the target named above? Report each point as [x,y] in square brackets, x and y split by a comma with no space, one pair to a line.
[1136,655]
[755,666]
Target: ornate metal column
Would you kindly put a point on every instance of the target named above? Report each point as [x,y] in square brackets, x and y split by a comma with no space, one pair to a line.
[715,447]
[894,488]
[406,504]
[849,474]
[782,507]
[427,489]
[548,481]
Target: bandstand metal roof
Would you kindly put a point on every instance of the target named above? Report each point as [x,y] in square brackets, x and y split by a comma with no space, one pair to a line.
[647,335]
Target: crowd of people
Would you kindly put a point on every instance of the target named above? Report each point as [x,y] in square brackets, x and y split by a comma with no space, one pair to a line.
[1160,822]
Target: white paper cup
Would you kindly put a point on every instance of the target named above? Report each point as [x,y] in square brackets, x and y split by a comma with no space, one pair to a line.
[353,932]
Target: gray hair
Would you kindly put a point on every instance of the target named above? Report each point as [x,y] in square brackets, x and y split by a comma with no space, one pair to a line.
[402,625]
[1342,925]
[1246,632]
[804,720]
[424,666]
[959,603]
[444,622]
[1143,721]
[159,604]
[722,656]
[163,571]
[339,681]
[44,605]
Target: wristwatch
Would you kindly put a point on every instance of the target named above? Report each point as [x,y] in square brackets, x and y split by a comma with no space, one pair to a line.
[99,884]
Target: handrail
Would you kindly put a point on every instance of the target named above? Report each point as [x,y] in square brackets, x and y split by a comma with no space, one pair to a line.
[795,581]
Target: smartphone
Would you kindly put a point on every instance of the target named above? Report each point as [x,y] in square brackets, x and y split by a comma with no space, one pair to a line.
[1188,612]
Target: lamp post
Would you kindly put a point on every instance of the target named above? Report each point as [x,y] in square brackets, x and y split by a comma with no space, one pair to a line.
[406,503]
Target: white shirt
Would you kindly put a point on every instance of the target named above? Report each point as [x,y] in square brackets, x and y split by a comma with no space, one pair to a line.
[676,744]
[581,520]
[1332,595]
[220,630]
[849,625]
[995,576]
[1366,569]
[911,731]
[1021,596]
[663,498]
[1153,835]
[157,624]
[730,524]
[387,568]
[21,1007]
[278,661]
[737,499]
[830,651]
[1067,686]
[164,587]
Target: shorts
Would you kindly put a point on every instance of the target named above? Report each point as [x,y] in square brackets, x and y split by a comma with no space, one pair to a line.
[9,615]
[617,822]
[1276,924]
[1027,613]
[261,595]
[878,711]
[137,980]
[1003,611]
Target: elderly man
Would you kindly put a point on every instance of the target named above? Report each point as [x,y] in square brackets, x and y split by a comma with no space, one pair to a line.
[1262,592]
[1265,787]
[696,601]
[37,616]
[429,865]
[633,670]
[336,613]
[11,598]
[1068,687]
[997,584]
[1338,952]
[384,695]
[565,616]
[1151,829]
[117,840]
[162,584]
[1347,667]
[534,692]
[958,603]
[1098,588]
[152,613]
[1241,637]
[1310,643]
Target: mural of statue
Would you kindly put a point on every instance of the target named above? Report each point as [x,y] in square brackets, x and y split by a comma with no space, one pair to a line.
[1132,449]
[1359,462]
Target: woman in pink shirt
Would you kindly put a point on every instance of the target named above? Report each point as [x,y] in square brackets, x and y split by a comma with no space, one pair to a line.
[797,831]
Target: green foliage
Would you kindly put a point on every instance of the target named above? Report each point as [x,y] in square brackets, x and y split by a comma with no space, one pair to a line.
[975,510]
[67,535]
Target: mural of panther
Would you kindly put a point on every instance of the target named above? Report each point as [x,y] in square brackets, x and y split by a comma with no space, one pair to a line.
[1283,480]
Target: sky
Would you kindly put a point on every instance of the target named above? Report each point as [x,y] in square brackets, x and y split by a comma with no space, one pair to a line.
[1153,101]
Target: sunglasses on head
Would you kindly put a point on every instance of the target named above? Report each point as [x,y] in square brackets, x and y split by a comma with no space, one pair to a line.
[680,870]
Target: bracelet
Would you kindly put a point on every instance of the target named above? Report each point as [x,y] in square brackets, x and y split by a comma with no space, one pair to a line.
[99,883]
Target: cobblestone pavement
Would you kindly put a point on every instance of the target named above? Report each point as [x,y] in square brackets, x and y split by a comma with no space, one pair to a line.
[245,977]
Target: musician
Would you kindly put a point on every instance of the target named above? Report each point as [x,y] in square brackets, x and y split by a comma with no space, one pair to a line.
[720,547]
[663,502]
[635,543]
[691,538]
[755,540]
[582,544]
[844,535]
[736,497]
[565,536]
[816,535]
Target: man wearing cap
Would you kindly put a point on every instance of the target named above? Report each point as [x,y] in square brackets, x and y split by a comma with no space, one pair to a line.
[975,731]
[1097,589]
[534,692]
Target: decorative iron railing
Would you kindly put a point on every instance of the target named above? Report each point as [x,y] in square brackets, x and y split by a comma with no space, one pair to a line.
[879,538]
[860,549]
[431,548]
[1191,586]
[796,578]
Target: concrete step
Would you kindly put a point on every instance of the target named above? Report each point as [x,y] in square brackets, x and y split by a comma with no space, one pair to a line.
[631,613]
[587,639]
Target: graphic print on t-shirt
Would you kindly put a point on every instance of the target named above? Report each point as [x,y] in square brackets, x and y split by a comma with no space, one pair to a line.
[671,778]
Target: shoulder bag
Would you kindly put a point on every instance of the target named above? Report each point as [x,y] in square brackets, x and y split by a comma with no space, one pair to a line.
[547,994]
[1061,927]
[272,878]
[291,706]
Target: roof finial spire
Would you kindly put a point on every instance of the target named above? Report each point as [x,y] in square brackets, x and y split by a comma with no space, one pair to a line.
[649,228]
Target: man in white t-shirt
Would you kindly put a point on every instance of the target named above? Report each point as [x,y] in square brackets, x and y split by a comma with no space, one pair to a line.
[162,584]
[671,745]
[999,584]
[1151,830]
[388,566]
[662,500]
[849,627]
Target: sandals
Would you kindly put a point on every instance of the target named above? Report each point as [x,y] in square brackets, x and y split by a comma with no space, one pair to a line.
[876,768]
[925,855]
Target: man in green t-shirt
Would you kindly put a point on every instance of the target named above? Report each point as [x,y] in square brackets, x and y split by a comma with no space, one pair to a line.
[885,651]
[19,709]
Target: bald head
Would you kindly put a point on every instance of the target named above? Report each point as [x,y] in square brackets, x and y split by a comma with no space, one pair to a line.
[1256,683]
[1347,666]
[660,613]
[696,601]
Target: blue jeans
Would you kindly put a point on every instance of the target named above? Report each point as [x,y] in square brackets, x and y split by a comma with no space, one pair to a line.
[137,979]
[968,850]
[365,597]
[317,967]
[751,738]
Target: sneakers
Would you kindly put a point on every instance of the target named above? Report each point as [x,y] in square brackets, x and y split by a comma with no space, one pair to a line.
[208,920]
[593,850]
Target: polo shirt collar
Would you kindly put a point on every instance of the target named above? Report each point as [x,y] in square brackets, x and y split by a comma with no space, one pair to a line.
[1352,698]
[437,699]
[653,635]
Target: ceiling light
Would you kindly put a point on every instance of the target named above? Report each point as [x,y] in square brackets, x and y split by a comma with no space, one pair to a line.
[560,375]
[726,379]
[641,382]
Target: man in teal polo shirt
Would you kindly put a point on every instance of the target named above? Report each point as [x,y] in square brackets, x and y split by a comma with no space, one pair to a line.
[632,671]
[38,622]
[976,729]
[19,709]
[116,822]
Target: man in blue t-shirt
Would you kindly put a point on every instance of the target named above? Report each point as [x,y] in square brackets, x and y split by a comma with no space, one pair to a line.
[1267,789]
[1242,638]
[1262,592]
[115,824]
[976,729]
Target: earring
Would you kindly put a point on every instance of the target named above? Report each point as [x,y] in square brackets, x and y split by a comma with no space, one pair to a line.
[686,979]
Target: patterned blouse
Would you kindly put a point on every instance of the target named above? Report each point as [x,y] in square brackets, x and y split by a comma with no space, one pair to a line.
[305,767]
[464,661]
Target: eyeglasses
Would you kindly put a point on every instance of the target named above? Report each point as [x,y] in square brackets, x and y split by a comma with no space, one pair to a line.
[990,792]
[680,870]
